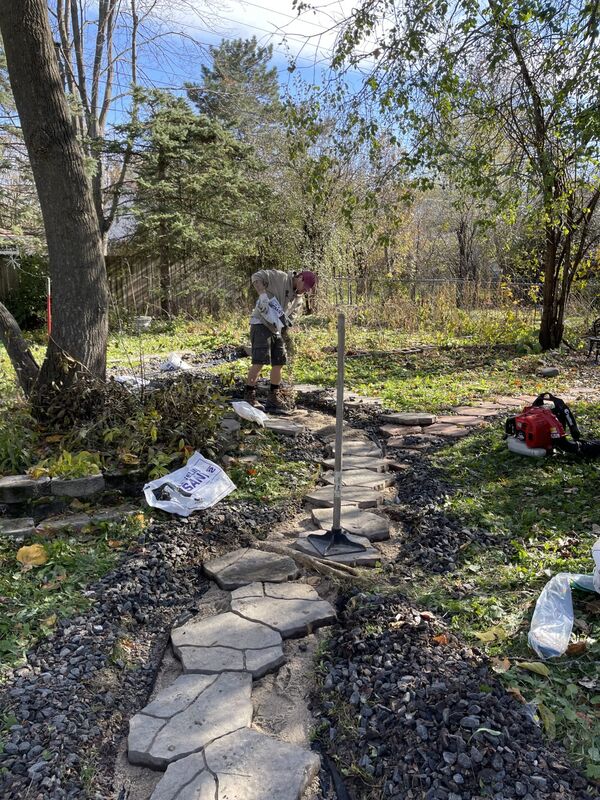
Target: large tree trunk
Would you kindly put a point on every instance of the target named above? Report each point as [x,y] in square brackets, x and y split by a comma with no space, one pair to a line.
[18,351]
[77,270]
[552,324]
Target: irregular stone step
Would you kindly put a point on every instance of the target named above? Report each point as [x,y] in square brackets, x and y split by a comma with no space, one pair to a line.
[417,441]
[20,488]
[293,609]
[362,477]
[373,527]
[548,372]
[227,642]
[490,404]
[449,431]
[188,715]
[247,565]
[358,462]
[400,430]
[74,522]
[16,528]
[351,495]
[245,765]
[77,487]
[286,427]
[358,448]
[475,411]
[509,402]
[409,418]
[369,557]
[457,419]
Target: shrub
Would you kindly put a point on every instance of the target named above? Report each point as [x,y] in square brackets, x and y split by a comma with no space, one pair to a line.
[27,303]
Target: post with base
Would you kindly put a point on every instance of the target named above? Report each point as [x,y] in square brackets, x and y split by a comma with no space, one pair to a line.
[336,542]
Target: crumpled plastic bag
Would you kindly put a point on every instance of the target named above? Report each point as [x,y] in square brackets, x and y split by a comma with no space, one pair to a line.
[200,484]
[131,380]
[173,363]
[246,411]
[552,620]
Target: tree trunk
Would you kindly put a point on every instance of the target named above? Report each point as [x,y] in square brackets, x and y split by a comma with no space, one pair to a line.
[77,269]
[552,325]
[18,351]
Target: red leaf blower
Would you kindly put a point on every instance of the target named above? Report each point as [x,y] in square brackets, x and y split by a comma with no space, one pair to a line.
[538,430]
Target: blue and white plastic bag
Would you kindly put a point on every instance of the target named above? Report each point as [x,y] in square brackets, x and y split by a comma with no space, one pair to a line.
[200,484]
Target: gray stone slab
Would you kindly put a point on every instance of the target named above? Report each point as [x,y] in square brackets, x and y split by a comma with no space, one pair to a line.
[356,447]
[74,522]
[548,372]
[246,565]
[285,427]
[307,388]
[367,558]
[509,402]
[16,528]
[77,487]
[373,463]
[245,765]
[414,442]
[475,411]
[373,527]
[115,514]
[188,715]
[361,477]
[449,431]
[351,495]
[409,418]
[231,426]
[399,430]
[457,419]
[227,642]
[20,488]
[293,609]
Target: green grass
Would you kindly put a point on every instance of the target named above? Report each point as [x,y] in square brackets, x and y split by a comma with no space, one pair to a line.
[541,513]
[33,598]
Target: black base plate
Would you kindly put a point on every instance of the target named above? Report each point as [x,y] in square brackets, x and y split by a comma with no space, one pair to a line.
[334,543]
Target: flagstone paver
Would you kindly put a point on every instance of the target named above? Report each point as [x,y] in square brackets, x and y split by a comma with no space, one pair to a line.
[373,463]
[368,557]
[359,448]
[227,642]
[247,565]
[361,477]
[293,609]
[450,431]
[358,496]
[417,441]
[17,528]
[400,430]
[510,402]
[457,419]
[245,765]
[186,716]
[409,418]
[475,411]
[373,527]
[286,427]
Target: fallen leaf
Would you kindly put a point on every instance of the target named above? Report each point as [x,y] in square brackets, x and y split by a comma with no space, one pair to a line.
[442,638]
[54,438]
[496,632]
[129,458]
[50,621]
[500,665]
[535,666]
[548,720]
[114,544]
[33,555]
[37,472]
[576,648]
[516,693]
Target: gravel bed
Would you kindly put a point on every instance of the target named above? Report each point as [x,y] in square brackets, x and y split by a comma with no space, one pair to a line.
[68,708]
[406,716]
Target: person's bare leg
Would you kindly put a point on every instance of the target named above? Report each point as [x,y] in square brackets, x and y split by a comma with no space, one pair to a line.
[276,375]
[253,374]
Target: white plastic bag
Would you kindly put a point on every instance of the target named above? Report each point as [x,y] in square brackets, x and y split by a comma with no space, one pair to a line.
[131,380]
[246,411]
[200,484]
[173,363]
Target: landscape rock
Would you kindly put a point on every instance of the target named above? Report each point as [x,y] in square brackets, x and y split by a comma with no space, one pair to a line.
[475,411]
[448,431]
[77,487]
[399,430]
[245,765]
[246,565]
[286,427]
[548,372]
[356,447]
[227,642]
[373,527]
[16,528]
[409,418]
[361,477]
[20,488]
[75,522]
[293,609]
[358,462]
[188,715]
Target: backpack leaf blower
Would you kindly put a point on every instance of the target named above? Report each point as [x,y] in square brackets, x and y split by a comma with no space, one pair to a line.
[539,431]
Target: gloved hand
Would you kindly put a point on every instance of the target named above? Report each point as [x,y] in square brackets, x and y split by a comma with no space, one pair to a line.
[285,321]
[263,301]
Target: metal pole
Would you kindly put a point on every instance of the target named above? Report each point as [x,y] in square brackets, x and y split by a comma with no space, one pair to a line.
[339,425]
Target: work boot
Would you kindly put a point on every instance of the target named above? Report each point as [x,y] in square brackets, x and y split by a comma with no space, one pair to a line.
[250,397]
[275,402]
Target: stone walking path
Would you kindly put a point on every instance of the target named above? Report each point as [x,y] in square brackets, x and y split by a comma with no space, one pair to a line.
[199,729]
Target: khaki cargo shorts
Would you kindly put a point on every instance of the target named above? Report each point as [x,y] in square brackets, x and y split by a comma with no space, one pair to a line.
[267,348]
